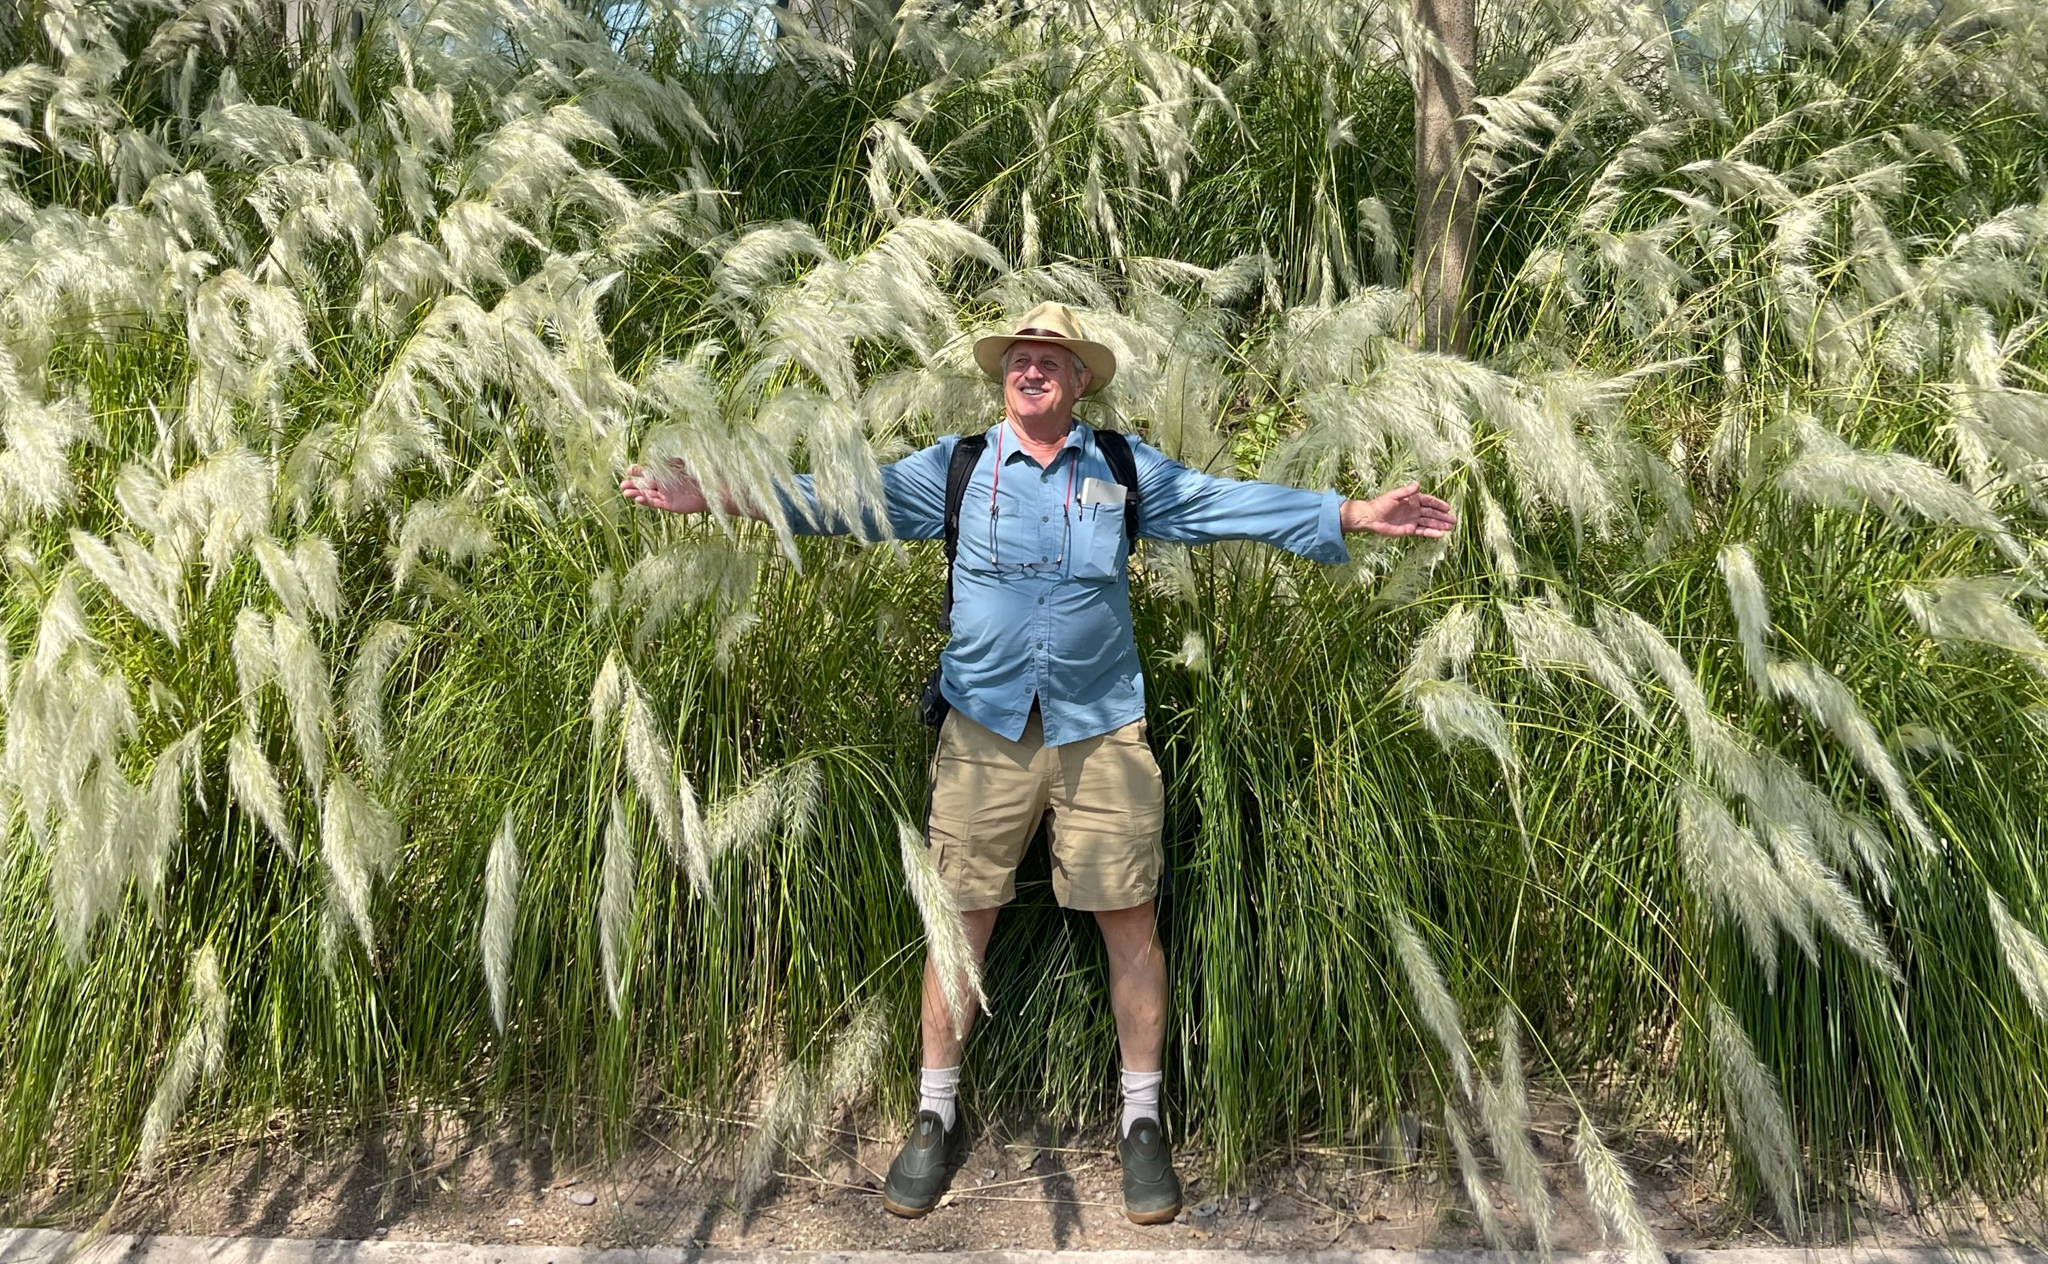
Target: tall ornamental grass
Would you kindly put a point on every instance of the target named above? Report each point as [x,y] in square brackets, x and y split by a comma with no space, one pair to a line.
[364,752]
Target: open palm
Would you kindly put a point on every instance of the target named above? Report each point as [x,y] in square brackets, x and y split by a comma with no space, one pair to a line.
[671,490]
[1406,510]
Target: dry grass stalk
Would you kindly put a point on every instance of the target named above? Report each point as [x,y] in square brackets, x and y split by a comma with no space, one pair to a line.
[945,935]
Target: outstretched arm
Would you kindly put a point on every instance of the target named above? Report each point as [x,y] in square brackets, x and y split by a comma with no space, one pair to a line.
[1186,506]
[670,489]
[913,495]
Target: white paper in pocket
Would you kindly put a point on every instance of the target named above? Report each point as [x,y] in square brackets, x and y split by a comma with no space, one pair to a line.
[1101,491]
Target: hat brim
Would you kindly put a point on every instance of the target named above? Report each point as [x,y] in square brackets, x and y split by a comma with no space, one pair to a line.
[1101,361]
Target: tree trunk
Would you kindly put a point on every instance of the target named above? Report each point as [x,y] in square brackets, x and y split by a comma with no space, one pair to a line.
[1446,195]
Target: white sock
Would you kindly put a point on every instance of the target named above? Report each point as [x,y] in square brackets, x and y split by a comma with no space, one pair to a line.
[937,1087]
[1141,1096]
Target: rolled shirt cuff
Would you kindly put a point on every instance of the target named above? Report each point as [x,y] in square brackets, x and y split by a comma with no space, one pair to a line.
[1330,548]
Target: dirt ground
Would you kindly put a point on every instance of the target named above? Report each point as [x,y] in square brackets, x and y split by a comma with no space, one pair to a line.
[1022,1186]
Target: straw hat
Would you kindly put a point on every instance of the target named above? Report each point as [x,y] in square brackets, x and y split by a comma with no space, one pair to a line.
[1048,322]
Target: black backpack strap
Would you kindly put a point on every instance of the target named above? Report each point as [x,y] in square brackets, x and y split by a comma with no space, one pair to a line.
[959,472]
[1123,467]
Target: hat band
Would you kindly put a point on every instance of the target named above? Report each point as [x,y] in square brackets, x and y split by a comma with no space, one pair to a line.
[1041,333]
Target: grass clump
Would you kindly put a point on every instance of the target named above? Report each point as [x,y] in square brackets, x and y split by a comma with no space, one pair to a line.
[347,704]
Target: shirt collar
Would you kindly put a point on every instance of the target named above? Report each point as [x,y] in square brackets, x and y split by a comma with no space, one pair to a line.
[1077,438]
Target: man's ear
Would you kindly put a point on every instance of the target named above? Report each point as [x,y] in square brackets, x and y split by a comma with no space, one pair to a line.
[1086,376]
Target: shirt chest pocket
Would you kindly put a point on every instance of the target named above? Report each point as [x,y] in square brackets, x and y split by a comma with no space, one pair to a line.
[1098,548]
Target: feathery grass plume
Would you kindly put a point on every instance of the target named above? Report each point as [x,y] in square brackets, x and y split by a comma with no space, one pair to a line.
[667,793]
[618,887]
[1829,472]
[306,580]
[1433,1001]
[1476,1189]
[689,572]
[2023,952]
[1194,652]
[850,1069]
[216,507]
[359,840]
[1830,703]
[362,696]
[1544,635]
[254,785]
[1505,1108]
[1752,612]
[762,255]
[304,206]
[1453,712]
[804,1097]
[281,575]
[606,693]
[402,273]
[474,237]
[1444,649]
[802,784]
[1776,791]
[85,863]
[255,655]
[1725,867]
[1926,740]
[302,677]
[35,466]
[1756,1114]
[744,818]
[1977,609]
[1612,1195]
[60,626]
[197,1056]
[448,529]
[501,916]
[1827,899]
[141,582]
[945,934]
[1386,245]
[782,798]
[161,808]
[788,1109]
[1645,650]
[64,733]
[1500,542]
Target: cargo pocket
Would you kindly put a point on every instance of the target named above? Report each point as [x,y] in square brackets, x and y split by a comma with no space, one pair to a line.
[1098,547]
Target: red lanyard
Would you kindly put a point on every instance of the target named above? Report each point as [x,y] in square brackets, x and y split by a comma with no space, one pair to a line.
[996,479]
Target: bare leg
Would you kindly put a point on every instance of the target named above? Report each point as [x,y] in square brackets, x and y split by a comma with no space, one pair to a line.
[942,1047]
[1137,985]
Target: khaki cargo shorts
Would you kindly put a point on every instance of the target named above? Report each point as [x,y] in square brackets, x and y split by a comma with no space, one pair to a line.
[1104,795]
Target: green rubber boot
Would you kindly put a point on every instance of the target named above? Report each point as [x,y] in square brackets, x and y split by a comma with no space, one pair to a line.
[918,1176]
[1151,1189]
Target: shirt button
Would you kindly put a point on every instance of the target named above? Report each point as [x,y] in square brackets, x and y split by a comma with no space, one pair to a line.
[1041,601]
[1043,558]
[1045,517]
[1043,477]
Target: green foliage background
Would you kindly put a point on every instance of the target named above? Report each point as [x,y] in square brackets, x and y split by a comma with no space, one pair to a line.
[399,308]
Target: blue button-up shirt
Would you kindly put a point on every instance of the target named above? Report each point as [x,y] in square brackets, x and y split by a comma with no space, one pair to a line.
[1041,596]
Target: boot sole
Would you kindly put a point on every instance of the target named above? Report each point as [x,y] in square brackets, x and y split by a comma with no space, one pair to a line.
[1152,1217]
[895,1208]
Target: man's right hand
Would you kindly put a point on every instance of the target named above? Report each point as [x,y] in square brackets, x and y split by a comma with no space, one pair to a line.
[671,490]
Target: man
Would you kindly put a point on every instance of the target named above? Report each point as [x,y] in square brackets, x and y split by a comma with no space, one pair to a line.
[1048,717]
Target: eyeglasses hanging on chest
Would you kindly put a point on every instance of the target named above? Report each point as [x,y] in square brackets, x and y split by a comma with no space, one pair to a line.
[1042,563]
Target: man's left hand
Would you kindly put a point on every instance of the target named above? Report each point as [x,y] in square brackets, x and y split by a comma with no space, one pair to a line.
[1404,511]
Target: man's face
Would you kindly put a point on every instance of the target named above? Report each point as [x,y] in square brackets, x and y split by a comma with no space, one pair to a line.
[1041,381]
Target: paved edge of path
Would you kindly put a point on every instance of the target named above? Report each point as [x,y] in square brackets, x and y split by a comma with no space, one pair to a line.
[59,1246]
